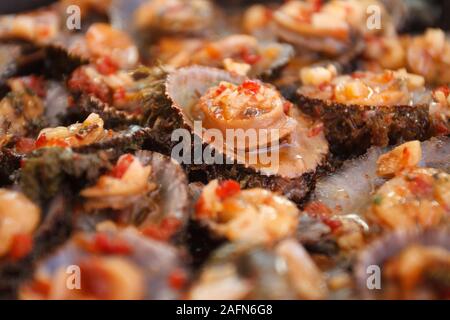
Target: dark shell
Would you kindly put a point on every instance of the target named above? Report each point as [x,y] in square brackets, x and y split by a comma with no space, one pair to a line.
[171,184]
[113,118]
[54,229]
[196,80]
[157,260]
[352,129]
[391,245]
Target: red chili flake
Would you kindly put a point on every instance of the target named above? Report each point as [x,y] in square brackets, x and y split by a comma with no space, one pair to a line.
[80,81]
[41,287]
[164,231]
[316,208]
[25,145]
[106,66]
[315,130]
[250,58]
[177,279]
[441,129]
[220,90]
[42,142]
[287,106]
[251,86]
[332,223]
[213,52]
[268,13]
[420,186]
[358,75]
[105,244]
[21,246]
[444,89]
[200,209]
[95,280]
[122,166]
[36,84]
[316,5]
[227,188]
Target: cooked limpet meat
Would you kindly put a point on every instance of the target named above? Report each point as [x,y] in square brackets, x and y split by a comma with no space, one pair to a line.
[113,265]
[239,271]
[253,215]
[366,108]
[175,16]
[416,197]
[263,132]
[250,105]
[19,218]
[414,265]
[332,28]
[240,53]
[364,88]
[428,55]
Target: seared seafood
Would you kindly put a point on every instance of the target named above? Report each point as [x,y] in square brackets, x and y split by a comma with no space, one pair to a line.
[427,55]
[137,191]
[114,265]
[231,103]
[242,54]
[366,108]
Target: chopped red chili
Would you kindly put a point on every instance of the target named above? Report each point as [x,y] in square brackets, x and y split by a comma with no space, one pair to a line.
[250,58]
[177,279]
[228,188]
[251,86]
[108,245]
[106,66]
